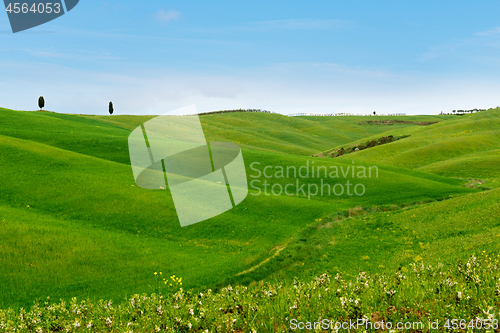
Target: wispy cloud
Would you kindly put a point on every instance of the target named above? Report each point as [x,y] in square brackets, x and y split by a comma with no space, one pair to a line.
[438,51]
[50,53]
[281,25]
[295,24]
[491,32]
[166,16]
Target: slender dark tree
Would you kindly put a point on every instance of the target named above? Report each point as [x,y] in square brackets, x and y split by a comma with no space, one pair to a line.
[111,108]
[41,102]
[374,112]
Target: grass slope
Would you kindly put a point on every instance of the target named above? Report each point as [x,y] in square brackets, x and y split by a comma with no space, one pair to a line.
[467,146]
[278,133]
[74,224]
[438,232]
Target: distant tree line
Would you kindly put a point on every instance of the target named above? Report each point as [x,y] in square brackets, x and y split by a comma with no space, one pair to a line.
[462,112]
[236,110]
[343,114]
[395,121]
[366,145]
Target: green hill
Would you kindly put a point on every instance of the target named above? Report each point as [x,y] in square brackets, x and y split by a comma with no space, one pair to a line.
[73,223]
[465,147]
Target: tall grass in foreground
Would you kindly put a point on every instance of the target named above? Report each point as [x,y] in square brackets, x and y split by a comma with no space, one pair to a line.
[468,292]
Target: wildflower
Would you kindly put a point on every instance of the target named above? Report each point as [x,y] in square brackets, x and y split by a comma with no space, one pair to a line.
[109,322]
[76,324]
[191,312]
[89,325]
[190,325]
[157,328]
[450,282]
[39,330]
[459,295]
[159,310]
[390,293]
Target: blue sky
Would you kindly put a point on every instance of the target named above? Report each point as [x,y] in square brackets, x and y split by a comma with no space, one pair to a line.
[416,57]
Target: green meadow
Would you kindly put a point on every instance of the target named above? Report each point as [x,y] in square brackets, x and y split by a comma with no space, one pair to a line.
[74,224]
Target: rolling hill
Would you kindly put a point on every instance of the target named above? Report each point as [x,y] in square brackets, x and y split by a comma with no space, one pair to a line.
[73,223]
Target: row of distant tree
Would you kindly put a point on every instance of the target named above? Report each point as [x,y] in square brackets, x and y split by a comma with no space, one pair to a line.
[41,105]
[236,110]
[464,111]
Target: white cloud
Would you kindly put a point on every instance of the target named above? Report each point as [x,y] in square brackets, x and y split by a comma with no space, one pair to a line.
[491,32]
[166,16]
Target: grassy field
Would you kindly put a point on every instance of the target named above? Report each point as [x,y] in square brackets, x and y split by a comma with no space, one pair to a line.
[73,223]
